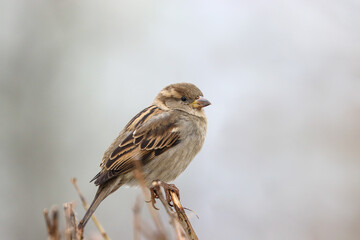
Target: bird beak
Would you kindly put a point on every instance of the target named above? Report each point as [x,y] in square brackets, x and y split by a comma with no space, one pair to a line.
[200,103]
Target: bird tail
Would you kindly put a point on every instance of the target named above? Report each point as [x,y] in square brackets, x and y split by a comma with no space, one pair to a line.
[102,192]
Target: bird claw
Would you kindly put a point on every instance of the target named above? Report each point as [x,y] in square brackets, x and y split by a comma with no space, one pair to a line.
[167,189]
[153,196]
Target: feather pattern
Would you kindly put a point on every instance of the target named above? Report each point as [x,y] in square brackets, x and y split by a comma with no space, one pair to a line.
[146,138]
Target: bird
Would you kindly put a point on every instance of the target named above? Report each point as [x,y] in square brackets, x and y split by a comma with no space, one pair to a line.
[164,137]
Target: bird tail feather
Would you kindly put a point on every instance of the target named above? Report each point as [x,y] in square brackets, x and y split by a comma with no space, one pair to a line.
[101,194]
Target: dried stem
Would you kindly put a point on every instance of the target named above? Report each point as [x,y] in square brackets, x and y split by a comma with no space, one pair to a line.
[141,227]
[52,225]
[180,218]
[86,206]
[173,219]
[183,217]
[137,224]
[179,231]
[138,173]
[71,232]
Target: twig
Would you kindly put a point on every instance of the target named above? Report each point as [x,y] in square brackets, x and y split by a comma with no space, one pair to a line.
[137,224]
[138,173]
[71,231]
[52,225]
[179,230]
[180,213]
[182,217]
[141,226]
[86,206]
[173,219]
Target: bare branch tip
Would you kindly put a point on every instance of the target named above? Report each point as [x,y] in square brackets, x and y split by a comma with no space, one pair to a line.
[73,180]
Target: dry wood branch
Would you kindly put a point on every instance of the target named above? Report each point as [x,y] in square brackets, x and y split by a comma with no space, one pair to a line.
[141,227]
[138,173]
[137,224]
[184,220]
[52,225]
[180,215]
[173,219]
[179,231]
[86,206]
[178,218]
[71,231]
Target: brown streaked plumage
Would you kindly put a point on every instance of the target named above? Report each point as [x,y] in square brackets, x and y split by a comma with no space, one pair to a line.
[165,137]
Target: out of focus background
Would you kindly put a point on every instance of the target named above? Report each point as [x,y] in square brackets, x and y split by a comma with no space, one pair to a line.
[282,155]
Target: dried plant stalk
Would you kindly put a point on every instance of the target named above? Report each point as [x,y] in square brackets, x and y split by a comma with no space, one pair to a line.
[86,206]
[137,223]
[180,217]
[142,227]
[183,219]
[173,218]
[71,231]
[138,174]
[53,224]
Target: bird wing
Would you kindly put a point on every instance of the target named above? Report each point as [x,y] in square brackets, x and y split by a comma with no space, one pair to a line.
[150,133]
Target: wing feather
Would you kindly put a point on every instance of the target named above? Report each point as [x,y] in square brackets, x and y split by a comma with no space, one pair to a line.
[150,133]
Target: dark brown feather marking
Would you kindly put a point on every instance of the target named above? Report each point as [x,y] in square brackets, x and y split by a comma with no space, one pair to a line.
[127,140]
[144,143]
[142,120]
[115,152]
[138,139]
[146,139]
[111,161]
[137,117]
[162,150]
[104,177]
[160,144]
[96,177]
[149,146]
[147,157]
[137,120]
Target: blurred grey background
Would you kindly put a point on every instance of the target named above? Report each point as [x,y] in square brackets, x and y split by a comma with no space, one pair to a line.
[281,158]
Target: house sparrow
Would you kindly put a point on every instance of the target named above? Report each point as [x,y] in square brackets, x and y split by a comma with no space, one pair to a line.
[165,137]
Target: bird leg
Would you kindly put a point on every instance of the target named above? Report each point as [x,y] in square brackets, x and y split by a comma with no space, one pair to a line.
[155,191]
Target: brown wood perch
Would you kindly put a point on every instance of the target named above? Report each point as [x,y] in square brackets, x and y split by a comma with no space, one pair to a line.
[71,231]
[180,215]
[178,218]
[52,224]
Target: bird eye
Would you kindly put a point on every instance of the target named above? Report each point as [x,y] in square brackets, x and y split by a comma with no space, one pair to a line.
[183,99]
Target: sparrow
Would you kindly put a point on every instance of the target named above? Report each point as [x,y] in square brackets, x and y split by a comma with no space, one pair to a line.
[165,137]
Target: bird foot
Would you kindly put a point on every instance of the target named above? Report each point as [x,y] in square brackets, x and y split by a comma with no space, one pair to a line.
[155,191]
